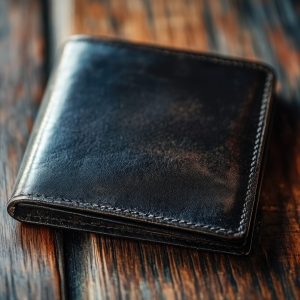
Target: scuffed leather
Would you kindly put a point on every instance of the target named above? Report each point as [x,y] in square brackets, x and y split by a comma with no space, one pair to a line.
[148,143]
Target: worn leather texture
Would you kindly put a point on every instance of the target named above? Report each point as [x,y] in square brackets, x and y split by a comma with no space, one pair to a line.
[148,143]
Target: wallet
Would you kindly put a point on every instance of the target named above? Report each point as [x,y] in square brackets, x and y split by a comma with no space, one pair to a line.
[149,143]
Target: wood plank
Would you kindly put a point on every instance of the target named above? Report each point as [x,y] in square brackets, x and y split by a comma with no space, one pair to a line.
[101,267]
[30,257]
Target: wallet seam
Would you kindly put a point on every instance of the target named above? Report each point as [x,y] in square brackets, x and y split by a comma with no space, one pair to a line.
[255,154]
[161,219]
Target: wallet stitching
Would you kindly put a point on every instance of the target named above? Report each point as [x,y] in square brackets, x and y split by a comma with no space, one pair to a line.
[255,154]
[31,217]
[47,199]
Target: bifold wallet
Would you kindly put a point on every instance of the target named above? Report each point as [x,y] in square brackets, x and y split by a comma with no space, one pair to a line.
[148,143]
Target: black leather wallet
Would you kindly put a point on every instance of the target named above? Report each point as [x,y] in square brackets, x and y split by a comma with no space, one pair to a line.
[148,143]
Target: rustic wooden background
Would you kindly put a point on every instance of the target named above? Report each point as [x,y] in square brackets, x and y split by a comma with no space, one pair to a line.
[41,263]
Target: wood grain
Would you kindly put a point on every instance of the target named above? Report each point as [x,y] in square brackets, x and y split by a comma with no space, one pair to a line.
[30,259]
[100,267]
[96,267]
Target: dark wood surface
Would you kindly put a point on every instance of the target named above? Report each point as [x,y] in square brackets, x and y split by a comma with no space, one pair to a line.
[88,266]
[30,259]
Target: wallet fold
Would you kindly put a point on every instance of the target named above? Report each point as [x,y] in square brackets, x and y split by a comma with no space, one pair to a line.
[149,143]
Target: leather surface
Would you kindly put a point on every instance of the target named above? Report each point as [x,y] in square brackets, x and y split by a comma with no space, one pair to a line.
[151,140]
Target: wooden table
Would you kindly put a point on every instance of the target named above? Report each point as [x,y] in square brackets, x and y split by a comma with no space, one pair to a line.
[42,263]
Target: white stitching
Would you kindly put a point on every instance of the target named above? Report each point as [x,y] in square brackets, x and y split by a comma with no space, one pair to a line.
[255,155]
[131,212]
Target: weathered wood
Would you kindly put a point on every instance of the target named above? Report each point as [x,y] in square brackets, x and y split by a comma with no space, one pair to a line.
[101,267]
[30,258]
